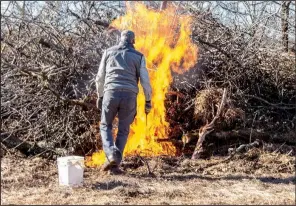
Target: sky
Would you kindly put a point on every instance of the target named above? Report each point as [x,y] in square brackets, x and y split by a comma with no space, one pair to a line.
[225,16]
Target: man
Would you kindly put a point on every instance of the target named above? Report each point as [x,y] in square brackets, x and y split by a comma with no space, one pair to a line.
[120,69]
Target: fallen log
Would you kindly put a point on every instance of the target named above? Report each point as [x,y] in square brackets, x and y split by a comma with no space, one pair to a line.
[243,148]
[24,147]
[219,141]
[28,148]
[243,134]
[232,152]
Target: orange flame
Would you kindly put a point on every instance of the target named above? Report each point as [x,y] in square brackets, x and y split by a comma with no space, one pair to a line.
[164,38]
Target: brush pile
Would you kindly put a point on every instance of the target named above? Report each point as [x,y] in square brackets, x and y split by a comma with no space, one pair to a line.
[260,78]
[48,67]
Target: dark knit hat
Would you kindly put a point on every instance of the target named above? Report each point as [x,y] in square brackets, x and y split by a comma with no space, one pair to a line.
[127,36]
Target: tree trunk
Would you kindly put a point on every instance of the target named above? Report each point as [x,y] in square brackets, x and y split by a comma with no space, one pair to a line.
[285,25]
[163,5]
[294,49]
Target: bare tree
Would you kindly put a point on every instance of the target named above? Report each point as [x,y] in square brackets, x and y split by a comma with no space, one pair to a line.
[285,25]
[163,5]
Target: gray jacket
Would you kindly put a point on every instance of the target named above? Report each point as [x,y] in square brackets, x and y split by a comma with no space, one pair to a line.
[122,67]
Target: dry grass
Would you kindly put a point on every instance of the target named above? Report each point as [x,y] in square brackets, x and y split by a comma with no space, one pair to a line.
[254,178]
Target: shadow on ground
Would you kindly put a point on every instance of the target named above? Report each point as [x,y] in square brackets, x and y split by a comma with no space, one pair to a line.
[269,179]
[183,177]
[108,185]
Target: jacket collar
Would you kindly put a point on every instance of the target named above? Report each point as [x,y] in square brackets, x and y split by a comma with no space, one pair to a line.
[125,45]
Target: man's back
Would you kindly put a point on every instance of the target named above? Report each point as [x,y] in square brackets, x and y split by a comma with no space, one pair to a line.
[122,68]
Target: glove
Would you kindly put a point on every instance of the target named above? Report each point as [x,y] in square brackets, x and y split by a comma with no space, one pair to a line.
[147,107]
[99,102]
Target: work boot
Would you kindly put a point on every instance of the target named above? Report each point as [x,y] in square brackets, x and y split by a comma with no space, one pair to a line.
[108,165]
[116,171]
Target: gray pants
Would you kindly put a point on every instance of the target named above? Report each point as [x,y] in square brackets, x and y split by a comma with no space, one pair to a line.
[123,103]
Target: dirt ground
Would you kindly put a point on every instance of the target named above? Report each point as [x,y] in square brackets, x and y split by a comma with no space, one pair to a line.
[252,178]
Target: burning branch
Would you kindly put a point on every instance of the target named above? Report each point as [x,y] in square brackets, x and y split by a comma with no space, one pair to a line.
[208,128]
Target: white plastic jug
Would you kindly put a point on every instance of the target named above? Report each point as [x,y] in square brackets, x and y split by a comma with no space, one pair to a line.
[70,170]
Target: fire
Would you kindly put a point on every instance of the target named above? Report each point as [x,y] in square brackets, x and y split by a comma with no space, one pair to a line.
[164,38]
